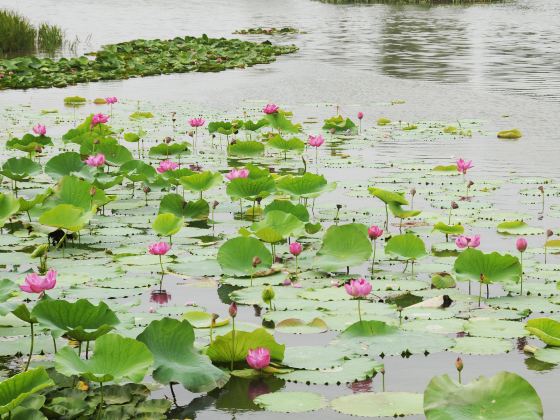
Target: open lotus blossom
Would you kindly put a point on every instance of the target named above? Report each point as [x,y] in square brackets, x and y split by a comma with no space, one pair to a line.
[463,166]
[111,100]
[374,232]
[467,241]
[159,248]
[316,141]
[271,109]
[40,130]
[167,165]
[95,160]
[35,283]
[99,119]
[358,288]
[295,248]
[237,173]
[258,358]
[196,122]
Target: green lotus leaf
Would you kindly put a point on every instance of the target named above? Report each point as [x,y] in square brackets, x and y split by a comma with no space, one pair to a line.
[223,127]
[313,228]
[481,345]
[236,255]
[379,404]
[449,229]
[383,121]
[344,246]
[131,137]
[200,319]
[74,100]
[246,148]
[388,196]
[293,144]
[298,326]
[8,289]
[302,186]
[350,371]
[20,169]
[114,153]
[407,246]
[9,205]
[250,188]
[26,205]
[114,358]
[443,281]
[189,210]
[552,243]
[255,126]
[279,121]
[517,227]
[29,143]
[445,168]
[201,181]
[505,395]
[257,172]
[473,264]
[175,358]
[510,134]
[291,401]
[277,224]
[167,224]
[77,192]
[83,133]
[66,216]
[339,123]
[138,171]
[66,163]
[221,349]
[548,330]
[368,329]
[80,320]
[140,115]
[401,213]
[298,210]
[14,390]
[164,150]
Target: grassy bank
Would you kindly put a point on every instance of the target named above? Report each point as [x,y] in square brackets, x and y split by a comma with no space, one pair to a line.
[137,59]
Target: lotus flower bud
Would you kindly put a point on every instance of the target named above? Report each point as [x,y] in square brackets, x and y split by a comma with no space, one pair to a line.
[38,149]
[40,251]
[470,184]
[232,310]
[521,244]
[214,318]
[459,364]
[541,189]
[268,294]
[360,115]
[92,191]
[413,192]
[215,204]
[168,140]
[256,261]
[454,205]
[549,233]
[332,130]
[339,206]
[147,190]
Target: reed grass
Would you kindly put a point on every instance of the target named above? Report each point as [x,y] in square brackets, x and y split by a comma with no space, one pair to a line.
[17,34]
[49,37]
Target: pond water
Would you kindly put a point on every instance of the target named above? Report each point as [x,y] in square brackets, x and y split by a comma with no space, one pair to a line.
[498,65]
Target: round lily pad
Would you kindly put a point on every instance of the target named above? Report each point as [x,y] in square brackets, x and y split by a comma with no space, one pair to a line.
[381,404]
[291,402]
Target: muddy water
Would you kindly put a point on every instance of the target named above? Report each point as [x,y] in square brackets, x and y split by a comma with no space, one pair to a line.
[495,63]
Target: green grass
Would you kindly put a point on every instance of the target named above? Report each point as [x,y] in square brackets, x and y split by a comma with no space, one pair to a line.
[49,37]
[17,34]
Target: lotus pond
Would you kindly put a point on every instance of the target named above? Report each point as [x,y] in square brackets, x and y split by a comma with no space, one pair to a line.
[365,247]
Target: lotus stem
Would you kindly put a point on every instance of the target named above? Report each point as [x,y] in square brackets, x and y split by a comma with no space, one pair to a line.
[521,261]
[479,293]
[54,344]
[373,259]
[100,402]
[359,310]
[459,374]
[386,217]
[161,265]
[173,393]
[232,342]
[87,350]
[30,348]
[383,380]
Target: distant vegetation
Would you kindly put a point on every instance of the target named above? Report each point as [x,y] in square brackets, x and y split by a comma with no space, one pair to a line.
[19,36]
[410,1]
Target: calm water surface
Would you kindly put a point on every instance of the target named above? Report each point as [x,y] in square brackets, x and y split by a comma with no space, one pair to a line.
[496,63]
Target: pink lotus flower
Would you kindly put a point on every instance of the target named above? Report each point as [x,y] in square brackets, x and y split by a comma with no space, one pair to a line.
[159,248]
[360,115]
[467,241]
[40,130]
[99,119]
[295,248]
[358,288]
[237,173]
[160,296]
[463,166]
[316,141]
[166,165]
[374,232]
[111,100]
[258,358]
[197,122]
[35,283]
[271,109]
[521,244]
[96,161]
